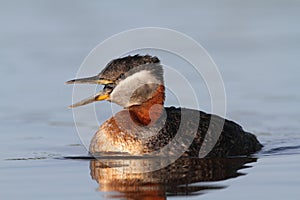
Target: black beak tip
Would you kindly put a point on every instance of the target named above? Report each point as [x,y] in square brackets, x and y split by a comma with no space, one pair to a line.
[70,82]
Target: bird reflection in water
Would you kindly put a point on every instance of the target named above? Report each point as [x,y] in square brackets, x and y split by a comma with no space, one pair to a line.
[186,176]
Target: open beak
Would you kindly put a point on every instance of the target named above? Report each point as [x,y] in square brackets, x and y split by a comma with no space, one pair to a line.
[100,96]
[90,80]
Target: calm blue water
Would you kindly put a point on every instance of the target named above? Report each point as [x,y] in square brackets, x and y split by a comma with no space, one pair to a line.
[255,45]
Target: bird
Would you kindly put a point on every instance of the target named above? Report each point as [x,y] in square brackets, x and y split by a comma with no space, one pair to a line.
[145,127]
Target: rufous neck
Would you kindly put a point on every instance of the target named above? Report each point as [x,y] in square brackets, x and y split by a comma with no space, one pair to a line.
[149,111]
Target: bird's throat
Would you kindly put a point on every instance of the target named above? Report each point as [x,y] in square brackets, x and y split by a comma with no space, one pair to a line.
[148,112]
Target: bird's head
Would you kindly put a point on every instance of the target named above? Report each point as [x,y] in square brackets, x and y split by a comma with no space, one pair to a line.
[128,81]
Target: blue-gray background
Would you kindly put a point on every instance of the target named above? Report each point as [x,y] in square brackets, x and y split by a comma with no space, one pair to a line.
[42,43]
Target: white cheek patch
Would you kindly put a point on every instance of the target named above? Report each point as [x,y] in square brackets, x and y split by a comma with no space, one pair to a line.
[124,90]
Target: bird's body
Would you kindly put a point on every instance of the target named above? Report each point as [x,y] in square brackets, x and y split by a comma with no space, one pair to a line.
[145,126]
[118,134]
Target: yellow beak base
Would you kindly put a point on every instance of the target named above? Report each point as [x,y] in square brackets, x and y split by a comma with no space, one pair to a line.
[102,97]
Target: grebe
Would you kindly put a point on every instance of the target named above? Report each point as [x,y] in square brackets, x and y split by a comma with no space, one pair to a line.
[144,125]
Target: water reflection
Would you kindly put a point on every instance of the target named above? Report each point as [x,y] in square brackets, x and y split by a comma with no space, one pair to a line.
[186,176]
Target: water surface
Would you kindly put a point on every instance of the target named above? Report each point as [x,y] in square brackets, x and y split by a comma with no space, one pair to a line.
[255,45]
